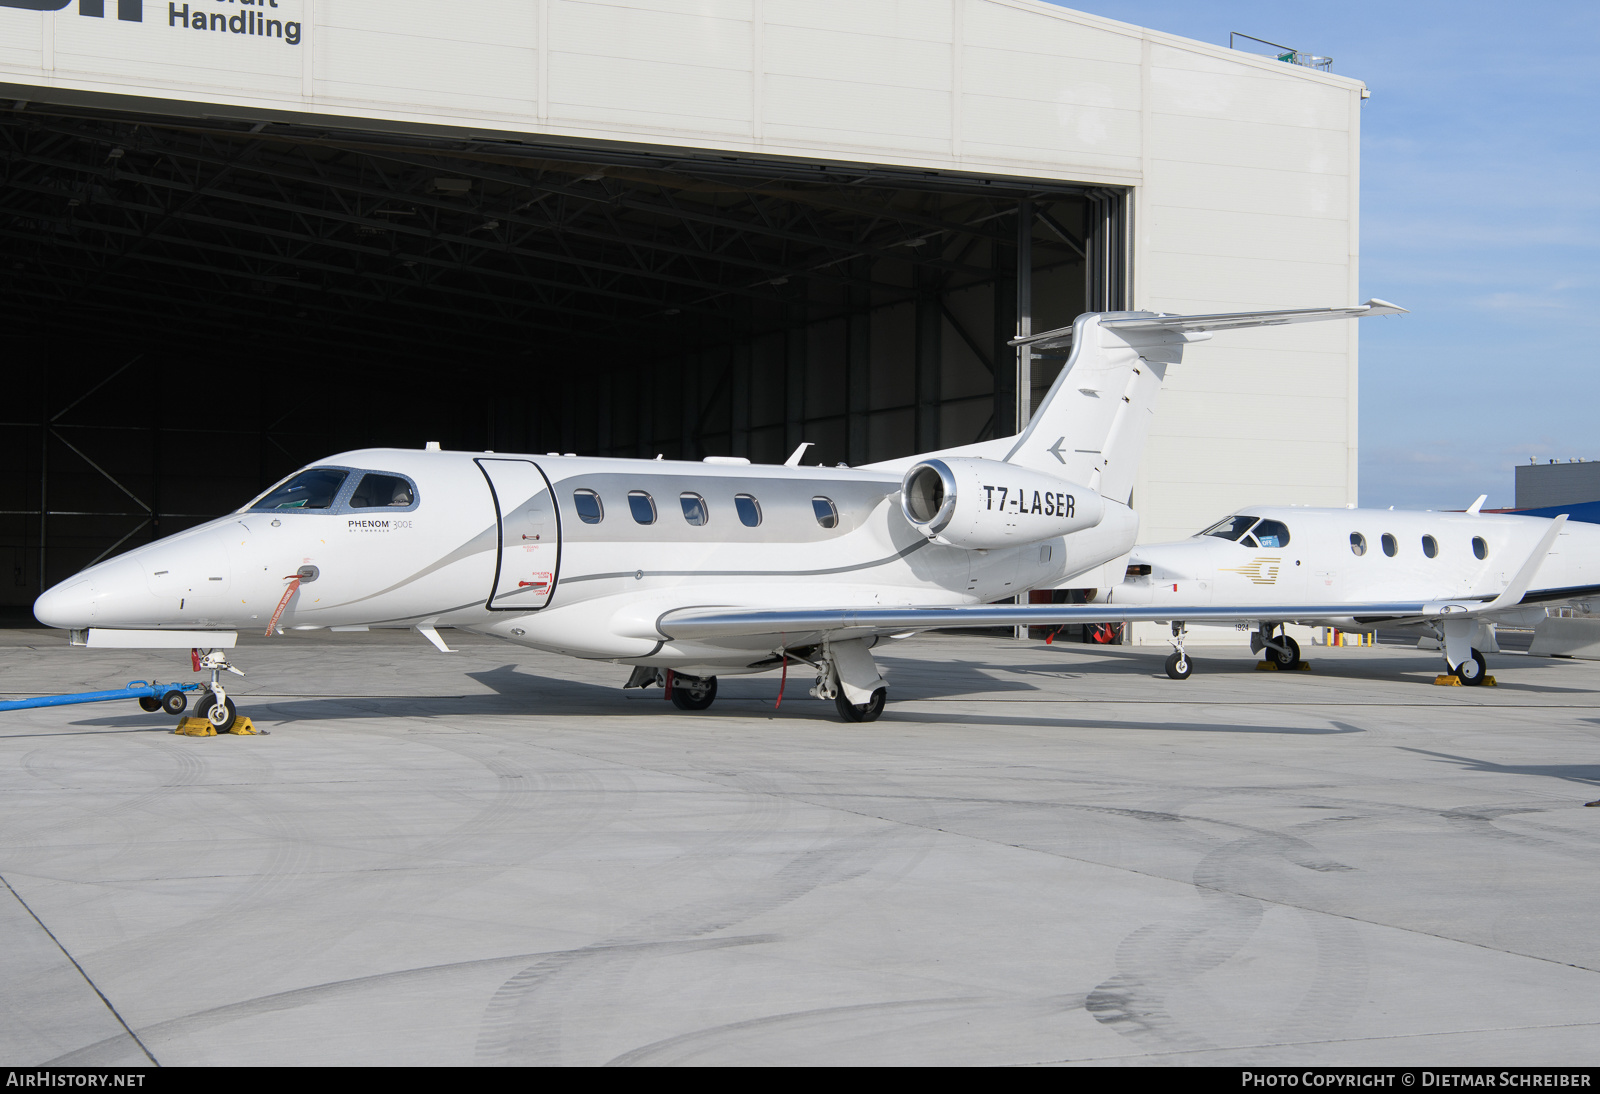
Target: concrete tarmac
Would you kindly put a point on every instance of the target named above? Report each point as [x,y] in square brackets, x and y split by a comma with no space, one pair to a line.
[1038,855]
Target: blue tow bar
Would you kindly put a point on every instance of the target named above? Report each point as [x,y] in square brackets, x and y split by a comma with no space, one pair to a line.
[136,689]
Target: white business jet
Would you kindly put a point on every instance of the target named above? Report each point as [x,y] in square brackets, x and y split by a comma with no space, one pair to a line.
[1469,570]
[685,571]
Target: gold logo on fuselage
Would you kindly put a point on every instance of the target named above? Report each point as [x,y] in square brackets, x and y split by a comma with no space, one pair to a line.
[1262,570]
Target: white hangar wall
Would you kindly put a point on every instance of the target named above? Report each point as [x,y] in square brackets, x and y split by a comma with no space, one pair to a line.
[1243,171]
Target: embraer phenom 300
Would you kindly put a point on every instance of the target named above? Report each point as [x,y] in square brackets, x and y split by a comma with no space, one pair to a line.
[684,571]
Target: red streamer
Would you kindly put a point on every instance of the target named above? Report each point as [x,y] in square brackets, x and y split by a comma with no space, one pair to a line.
[294,583]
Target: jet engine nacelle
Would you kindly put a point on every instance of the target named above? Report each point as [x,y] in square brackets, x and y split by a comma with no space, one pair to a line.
[985,504]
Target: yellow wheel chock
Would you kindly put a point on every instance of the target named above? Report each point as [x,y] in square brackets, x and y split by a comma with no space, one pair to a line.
[1451,680]
[201,727]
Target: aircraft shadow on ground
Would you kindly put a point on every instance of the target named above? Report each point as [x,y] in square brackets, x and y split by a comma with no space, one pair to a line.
[1577,773]
[1012,721]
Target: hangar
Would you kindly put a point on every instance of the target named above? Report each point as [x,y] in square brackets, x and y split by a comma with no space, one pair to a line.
[236,237]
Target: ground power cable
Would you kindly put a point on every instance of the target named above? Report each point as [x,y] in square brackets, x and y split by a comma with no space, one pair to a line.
[114,1013]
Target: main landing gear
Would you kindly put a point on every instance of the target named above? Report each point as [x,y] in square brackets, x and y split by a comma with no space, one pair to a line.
[1473,670]
[686,692]
[846,673]
[691,692]
[861,712]
[1283,650]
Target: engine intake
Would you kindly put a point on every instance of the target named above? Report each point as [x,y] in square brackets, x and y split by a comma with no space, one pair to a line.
[983,504]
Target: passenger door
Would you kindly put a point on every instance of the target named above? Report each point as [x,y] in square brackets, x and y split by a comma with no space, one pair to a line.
[529,557]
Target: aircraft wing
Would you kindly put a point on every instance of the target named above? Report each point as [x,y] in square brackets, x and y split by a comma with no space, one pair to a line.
[804,625]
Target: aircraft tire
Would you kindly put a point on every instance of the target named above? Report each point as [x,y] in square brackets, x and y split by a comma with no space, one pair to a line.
[862,712]
[1179,667]
[1472,670]
[174,702]
[1289,656]
[221,720]
[686,699]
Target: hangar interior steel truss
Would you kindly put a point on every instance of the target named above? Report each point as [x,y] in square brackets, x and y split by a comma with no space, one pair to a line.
[195,306]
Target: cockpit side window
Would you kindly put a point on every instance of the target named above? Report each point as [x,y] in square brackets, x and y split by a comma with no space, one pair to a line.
[376,491]
[1272,533]
[1231,528]
[315,488]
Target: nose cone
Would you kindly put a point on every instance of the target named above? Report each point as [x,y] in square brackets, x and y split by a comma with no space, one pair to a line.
[112,594]
[67,606]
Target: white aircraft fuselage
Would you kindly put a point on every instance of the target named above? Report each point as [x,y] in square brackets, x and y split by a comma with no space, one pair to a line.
[549,552]
[1359,557]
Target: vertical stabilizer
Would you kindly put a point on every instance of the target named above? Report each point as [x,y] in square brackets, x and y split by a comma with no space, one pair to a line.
[1092,426]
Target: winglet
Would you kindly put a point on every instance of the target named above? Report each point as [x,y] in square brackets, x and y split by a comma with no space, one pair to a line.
[1472,510]
[1519,584]
[794,457]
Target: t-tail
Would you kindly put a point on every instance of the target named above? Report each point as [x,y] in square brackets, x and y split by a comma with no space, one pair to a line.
[1092,426]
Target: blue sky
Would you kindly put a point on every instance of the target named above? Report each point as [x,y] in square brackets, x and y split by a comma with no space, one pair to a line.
[1480,211]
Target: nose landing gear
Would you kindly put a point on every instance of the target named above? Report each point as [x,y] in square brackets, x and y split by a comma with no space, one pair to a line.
[214,705]
[1178,664]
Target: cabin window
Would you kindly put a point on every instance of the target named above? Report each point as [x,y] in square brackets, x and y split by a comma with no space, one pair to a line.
[643,506]
[1480,549]
[749,510]
[694,508]
[1272,533]
[1358,544]
[587,502]
[381,491]
[313,489]
[1391,546]
[1430,546]
[827,513]
[1231,528]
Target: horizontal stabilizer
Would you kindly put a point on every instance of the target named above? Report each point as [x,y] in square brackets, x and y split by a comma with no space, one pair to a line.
[1195,324]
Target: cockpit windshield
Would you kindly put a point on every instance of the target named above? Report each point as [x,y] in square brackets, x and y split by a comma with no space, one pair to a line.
[1230,527]
[1271,534]
[312,489]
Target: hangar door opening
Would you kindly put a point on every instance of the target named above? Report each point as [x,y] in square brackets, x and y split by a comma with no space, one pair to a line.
[199,306]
